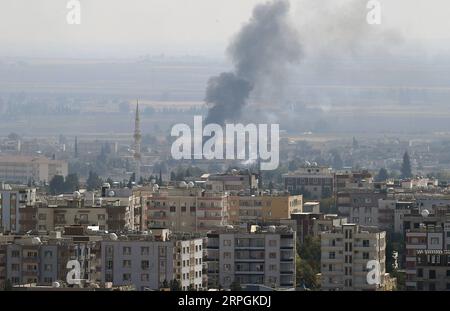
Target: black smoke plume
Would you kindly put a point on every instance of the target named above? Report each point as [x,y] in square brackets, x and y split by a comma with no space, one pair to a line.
[261,54]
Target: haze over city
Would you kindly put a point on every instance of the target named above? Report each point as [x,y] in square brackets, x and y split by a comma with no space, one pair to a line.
[213,145]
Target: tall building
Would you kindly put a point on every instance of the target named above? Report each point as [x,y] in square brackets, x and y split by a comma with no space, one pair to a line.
[113,213]
[149,261]
[263,256]
[43,260]
[137,144]
[13,199]
[427,242]
[187,208]
[313,181]
[346,252]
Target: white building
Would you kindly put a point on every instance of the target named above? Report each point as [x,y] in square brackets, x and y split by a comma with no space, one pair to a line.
[263,256]
[148,261]
[23,169]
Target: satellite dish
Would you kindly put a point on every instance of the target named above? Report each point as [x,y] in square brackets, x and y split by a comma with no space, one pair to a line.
[113,236]
[425,213]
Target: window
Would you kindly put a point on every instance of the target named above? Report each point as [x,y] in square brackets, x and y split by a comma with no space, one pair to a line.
[173,209]
[272,255]
[366,243]
[272,268]
[144,277]
[227,267]
[420,273]
[330,267]
[109,264]
[48,268]
[273,243]
[126,277]
[183,209]
[126,264]
[126,250]
[348,259]
[348,247]
[101,217]
[448,272]
[226,242]
[15,254]
[332,255]
[42,217]
[145,250]
[145,264]
[227,255]
[434,241]
[48,254]
[365,255]
[432,287]
[432,274]
[15,267]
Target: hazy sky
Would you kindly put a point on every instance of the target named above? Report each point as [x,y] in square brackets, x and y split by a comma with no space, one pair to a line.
[130,28]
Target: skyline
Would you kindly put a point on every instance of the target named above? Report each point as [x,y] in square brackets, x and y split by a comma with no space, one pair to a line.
[113,29]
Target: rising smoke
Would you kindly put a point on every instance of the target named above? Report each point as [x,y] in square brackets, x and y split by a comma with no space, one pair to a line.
[261,54]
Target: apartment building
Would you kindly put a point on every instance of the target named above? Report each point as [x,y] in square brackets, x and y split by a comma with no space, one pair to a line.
[23,169]
[313,224]
[148,261]
[346,252]
[187,209]
[433,270]
[107,213]
[360,206]
[264,256]
[313,181]
[262,207]
[349,179]
[12,200]
[43,260]
[231,181]
[426,235]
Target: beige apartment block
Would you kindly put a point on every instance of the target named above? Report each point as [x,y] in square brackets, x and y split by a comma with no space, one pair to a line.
[22,169]
[345,254]
[260,208]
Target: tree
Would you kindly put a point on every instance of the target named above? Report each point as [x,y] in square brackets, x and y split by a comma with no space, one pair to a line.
[165,284]
[175,286]
[406,171]
[93,182]
[57,185]
[308,262]
[71,184]
[382,175]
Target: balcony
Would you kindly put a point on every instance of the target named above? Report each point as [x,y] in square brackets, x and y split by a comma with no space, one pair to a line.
[30,273]
[32,259]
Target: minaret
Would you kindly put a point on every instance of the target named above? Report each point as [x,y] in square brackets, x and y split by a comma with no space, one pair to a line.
[137,144]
